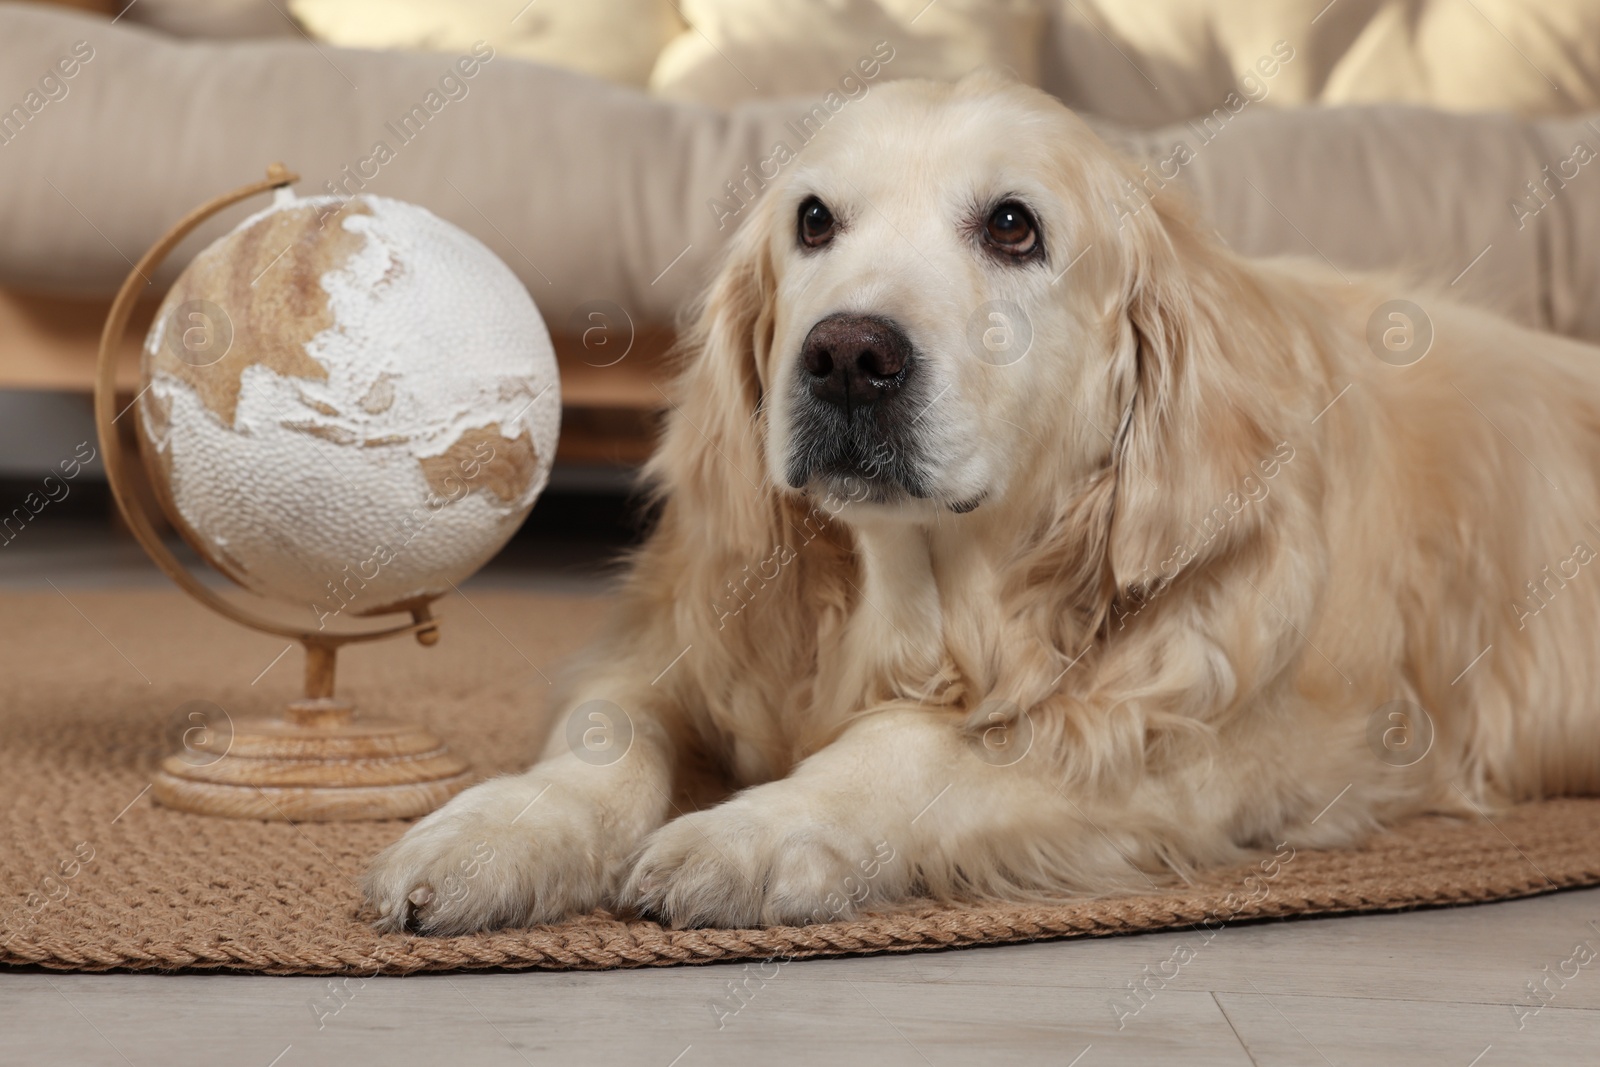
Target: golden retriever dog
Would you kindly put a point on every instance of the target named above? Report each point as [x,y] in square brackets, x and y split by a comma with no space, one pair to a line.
[1019,540]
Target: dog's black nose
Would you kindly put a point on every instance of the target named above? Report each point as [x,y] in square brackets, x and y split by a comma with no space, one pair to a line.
[855,360]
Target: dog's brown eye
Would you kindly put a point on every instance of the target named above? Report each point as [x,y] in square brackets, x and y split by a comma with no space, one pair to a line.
[816,223]
[1011,229]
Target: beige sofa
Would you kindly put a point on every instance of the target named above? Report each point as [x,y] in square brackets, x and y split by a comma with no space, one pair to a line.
[604,195]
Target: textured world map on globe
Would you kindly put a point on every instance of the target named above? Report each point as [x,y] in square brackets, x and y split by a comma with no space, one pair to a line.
[348,405]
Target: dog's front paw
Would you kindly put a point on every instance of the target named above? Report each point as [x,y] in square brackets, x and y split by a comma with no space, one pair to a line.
[743,865]
[508,852]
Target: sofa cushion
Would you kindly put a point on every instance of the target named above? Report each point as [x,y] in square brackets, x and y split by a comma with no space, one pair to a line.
[588,190]
[1148,62]
[211,18]
[594,192]
[748,49]
[615,39]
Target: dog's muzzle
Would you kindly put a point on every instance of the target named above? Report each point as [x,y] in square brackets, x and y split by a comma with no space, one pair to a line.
[857,402]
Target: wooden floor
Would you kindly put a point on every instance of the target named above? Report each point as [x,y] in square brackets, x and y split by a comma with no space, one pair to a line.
[1434,987]
[1444,987]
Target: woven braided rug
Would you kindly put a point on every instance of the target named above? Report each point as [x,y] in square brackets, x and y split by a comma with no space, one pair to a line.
[94,876]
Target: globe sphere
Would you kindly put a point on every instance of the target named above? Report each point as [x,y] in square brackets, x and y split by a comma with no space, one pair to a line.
[348,405]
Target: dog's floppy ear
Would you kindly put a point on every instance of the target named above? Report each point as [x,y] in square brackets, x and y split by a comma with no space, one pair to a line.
[711,463]
[1193,447]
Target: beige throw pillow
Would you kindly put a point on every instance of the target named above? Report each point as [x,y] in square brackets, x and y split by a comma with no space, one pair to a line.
[613,39]
[742,49]
[1149,62]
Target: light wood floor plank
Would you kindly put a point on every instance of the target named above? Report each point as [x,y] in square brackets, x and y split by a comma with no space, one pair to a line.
[1282,1029]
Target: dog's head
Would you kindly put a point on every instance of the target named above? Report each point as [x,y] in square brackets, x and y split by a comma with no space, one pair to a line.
[958,300]
[936,314]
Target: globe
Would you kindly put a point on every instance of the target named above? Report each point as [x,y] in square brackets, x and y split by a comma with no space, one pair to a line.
[348,405]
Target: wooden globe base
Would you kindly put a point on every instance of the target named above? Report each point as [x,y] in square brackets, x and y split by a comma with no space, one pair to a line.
[317,764]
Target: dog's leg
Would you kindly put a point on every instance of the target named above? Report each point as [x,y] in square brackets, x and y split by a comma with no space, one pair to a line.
[904,800]
[538,846]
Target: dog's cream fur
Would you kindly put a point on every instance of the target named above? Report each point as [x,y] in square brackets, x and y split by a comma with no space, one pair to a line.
[1216,536]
